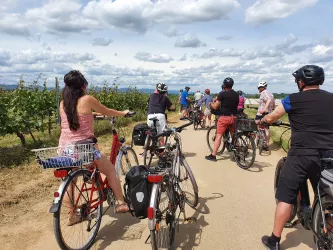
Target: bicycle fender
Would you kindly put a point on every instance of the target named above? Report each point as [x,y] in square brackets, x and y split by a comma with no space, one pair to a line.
[153,203]
[55,204]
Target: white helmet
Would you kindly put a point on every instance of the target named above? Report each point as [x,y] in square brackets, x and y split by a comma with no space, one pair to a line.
[262,85]
[161,87]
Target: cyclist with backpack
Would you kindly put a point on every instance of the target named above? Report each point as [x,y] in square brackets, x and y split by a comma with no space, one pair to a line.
[311,138]
[227,102]
[158,103]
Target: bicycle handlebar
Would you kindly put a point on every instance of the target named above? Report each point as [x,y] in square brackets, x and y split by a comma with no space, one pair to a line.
[178,129]
[276,124]
[102,117]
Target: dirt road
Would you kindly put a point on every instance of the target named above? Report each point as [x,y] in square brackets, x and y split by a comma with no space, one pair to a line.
[236,208]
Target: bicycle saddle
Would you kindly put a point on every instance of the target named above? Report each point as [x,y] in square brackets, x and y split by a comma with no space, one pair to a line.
[153,119]
[91,140]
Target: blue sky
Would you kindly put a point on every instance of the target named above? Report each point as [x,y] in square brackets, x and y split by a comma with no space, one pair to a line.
[179,42]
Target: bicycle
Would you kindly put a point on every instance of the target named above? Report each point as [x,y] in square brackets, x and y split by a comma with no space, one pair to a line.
[152,146]
[239,144]
[120,154]
[197,117]
[319,217]
[168,194]
[80,195]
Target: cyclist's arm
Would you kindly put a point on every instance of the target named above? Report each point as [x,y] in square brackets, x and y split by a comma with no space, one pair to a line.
[100,108]
[275,115]
[268,102]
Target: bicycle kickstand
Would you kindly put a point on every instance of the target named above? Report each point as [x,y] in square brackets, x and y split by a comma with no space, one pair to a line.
[147,239]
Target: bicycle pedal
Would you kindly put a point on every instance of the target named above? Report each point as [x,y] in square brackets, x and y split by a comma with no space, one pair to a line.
[191,219]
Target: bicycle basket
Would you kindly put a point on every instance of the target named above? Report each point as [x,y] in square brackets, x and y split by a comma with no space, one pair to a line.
[246,125]
[65,157]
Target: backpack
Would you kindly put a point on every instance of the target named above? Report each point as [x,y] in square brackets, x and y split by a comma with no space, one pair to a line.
[216,112]
[137,191]
[139,134]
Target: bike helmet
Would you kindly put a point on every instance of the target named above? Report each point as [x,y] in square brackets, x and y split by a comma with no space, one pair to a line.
[207,91]
[187,88]
[310,75]
[161,87]
[262,85]
[240,92]
[181,90]
[228,83]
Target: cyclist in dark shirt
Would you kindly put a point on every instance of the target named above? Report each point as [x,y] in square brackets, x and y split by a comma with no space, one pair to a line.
[311,138]
[158,103]
[227,101]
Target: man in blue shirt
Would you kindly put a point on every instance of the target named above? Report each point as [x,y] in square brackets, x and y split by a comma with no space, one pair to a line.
[184,102]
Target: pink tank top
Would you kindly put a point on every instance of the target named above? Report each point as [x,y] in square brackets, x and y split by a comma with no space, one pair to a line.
[241,102]
[85,130]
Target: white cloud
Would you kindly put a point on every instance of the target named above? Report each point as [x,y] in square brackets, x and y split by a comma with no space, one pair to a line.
[223,38]
[189,41]
[12,24]
[183,58]
[322,53]
[101,41]
[156,58]
[4,57]
[264,11]
[213,52]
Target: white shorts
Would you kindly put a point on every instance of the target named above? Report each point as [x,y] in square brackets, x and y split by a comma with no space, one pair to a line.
[207,112]
[160,124]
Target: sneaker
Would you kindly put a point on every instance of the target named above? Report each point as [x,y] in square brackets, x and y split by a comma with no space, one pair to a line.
[210,157]
[266,240]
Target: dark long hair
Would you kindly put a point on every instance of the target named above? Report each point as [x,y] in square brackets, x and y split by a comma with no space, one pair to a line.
[73,91]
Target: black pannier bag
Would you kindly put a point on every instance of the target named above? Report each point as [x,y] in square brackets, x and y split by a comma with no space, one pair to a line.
[137,191]
[139,134]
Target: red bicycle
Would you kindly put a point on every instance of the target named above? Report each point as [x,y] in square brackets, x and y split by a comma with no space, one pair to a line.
[78,204]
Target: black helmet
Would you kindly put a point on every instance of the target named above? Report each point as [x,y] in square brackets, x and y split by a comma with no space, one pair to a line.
[310,75]
[240,92]
[187,88]
[161,87]
[228,83]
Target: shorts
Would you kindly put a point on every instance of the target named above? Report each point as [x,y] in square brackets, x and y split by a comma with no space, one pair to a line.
[97,153]
[207,112]
[295,172]
[184,106]
[225,122]
[161,124]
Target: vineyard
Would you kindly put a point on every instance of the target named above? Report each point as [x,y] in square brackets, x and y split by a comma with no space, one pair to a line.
[30,113]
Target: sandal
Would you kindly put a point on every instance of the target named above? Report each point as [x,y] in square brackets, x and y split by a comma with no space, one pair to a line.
[122,208]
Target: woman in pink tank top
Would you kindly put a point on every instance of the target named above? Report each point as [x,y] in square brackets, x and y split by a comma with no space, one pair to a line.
[77,123]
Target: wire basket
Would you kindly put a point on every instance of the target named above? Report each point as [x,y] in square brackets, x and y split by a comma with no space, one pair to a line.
[65,157]
[246,125]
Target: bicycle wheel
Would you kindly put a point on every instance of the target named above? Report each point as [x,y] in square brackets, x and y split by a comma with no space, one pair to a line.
[126,159]
[188,184]
[164,234]
[278,170]
[147,153]
[210,137]
[326,240]
[195,123]
[261,145]
[244,150]
[75,223]
[172,140]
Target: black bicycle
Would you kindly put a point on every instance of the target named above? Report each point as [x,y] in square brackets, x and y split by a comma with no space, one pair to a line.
[173,186]
[197,117]
[241,144]
[319,217]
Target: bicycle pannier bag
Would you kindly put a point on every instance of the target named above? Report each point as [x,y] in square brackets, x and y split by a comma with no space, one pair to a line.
[139,134]
[137,191]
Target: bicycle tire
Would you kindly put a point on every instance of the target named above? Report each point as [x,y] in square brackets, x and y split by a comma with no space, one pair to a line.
[278,169]
[195,123]
[244,147]
[261,146]
[326,201]
[189,175]
[128,164]
[57,218]
[211,133]
[157,239]
[147,152]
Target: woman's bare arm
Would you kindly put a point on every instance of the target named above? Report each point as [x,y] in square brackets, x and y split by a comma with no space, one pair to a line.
[100,108]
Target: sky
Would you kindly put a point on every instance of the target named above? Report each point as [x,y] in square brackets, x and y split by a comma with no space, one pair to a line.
[194,43]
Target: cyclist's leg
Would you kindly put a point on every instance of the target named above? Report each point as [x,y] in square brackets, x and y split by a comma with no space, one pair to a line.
[161,126]
[106,168]
[268,135]
[222,125]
